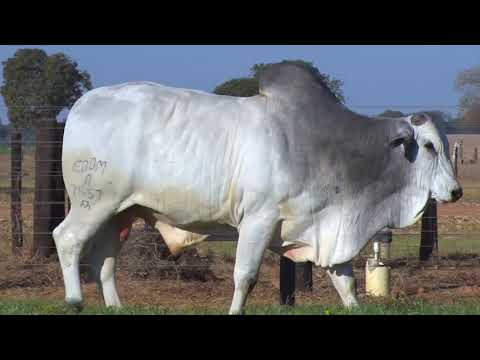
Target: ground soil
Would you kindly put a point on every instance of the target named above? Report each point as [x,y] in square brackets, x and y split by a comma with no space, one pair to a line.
[208,282]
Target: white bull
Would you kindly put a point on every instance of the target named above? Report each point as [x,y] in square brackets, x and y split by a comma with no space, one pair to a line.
[291,170]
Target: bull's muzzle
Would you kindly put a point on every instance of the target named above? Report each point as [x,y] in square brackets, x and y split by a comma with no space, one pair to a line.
[456,194]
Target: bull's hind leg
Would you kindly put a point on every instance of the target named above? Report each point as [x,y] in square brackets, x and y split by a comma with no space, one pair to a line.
[344,281]
[102,259]
[70,238]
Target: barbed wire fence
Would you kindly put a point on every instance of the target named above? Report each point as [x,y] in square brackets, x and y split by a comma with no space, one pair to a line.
[33,201]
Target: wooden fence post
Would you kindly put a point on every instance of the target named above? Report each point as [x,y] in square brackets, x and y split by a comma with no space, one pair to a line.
[429,235]
[287,281]
[16,191]
[461,151]
[455,158]
[57,184]
[49,202]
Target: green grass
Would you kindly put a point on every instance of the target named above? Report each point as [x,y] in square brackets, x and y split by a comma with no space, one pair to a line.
[408,245]
[402,246]
[395,308]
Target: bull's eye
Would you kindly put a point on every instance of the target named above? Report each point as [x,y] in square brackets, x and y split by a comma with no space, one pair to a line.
[429,146]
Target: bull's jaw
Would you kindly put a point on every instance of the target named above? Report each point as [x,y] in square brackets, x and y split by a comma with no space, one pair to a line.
[410,212]
[422,211]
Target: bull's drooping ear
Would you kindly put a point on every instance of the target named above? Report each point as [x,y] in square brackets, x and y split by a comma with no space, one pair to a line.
[419,119]
[400,133]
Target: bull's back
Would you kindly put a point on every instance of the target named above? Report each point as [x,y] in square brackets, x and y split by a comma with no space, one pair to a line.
[167,149]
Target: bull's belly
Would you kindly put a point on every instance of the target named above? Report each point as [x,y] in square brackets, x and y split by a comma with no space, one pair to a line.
[185,208]
[215,231]
[181,236]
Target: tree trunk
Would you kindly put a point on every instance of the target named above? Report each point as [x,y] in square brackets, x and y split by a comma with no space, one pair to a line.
[16,191]
[49,203]
[58,194]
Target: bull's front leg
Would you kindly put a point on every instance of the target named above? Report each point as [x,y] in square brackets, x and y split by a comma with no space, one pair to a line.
[255,234]
[344,281]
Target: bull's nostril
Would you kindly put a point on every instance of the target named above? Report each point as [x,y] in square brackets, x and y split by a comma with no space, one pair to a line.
[457,194]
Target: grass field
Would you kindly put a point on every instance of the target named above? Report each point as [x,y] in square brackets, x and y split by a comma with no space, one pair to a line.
[415,308]
[403,246]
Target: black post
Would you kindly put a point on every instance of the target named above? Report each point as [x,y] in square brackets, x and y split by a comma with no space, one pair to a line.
[456,161]
[287,281]
[461,151]
[429,236]
[303,276]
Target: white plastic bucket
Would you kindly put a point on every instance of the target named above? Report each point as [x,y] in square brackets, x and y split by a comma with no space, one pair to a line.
[377,278]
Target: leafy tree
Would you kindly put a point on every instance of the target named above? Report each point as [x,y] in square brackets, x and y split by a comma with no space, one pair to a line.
[468,81]
[36,88]
[19,89]
[241,87]
[3,132]
[248,86]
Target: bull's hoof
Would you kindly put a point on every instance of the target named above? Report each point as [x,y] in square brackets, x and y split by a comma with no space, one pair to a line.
[75,304]
[236,312]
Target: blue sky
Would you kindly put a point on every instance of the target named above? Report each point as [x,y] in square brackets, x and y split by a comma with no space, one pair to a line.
[375,77]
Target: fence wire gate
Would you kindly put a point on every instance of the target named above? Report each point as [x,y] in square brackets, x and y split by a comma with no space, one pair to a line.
[458,234]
